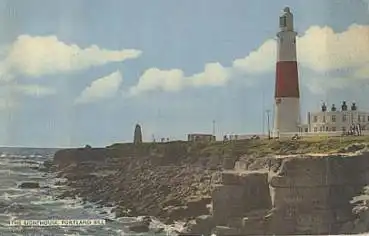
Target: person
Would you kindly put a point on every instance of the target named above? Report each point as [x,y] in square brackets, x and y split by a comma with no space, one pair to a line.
[359,129]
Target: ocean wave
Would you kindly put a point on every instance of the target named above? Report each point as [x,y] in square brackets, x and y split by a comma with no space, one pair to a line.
[15,208]
[42,203]
[20,173]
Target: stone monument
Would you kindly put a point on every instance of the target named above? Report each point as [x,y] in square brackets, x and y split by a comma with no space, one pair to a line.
[137,138]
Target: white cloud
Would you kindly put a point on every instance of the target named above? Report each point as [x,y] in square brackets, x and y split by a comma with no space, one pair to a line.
[259,61]
[319,49]
[214,74]
[102,88]
[37,56]
[156,79]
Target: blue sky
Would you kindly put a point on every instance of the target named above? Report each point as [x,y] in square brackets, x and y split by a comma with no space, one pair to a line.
[84,72]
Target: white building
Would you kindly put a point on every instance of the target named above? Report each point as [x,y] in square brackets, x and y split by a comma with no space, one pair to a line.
[336,119]
[201,137]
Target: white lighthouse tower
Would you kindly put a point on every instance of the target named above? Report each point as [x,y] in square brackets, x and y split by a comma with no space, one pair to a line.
[287,93]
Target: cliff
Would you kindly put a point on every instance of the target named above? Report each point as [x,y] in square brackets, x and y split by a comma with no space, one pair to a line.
[240,187]
[301,194]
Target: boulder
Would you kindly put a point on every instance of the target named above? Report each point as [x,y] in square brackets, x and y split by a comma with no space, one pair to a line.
[201,225]
[141,226]
[29,185]
[228,163]
[226,231]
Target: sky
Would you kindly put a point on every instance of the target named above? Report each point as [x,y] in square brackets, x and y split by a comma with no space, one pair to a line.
[85,71]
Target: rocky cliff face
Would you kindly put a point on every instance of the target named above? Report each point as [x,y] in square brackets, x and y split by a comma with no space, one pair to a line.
[303,195]
[299,194]
[141,181]
[312,194]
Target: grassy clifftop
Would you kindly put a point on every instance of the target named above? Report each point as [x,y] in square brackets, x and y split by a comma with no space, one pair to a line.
[261,147]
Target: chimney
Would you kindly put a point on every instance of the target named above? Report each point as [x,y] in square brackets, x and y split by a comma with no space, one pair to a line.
[324,107]
[344,106]
[353,107]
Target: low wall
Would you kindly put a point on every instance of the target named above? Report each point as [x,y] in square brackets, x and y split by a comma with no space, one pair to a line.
[318,134]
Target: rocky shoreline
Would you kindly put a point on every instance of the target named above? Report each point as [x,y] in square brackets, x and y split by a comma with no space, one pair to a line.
[138,183]
[180,181]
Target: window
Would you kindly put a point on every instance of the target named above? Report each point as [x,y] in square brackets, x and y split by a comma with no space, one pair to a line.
[343,129]
[326,128]
[359,118]
[315,129]
[333,118]
[315,119]
[306,130]
[344,118]
[323,118]
[368,118]
[282,21]
[321,129]
[333,129]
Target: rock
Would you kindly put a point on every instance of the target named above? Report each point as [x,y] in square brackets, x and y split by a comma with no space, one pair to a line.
[141,226]
[348,228]
[29,185]
[158,230]
[175,213]
[198,206]
[354,147]
[48,164]
[60,183]
[228,163]
[226,231]
[201,225]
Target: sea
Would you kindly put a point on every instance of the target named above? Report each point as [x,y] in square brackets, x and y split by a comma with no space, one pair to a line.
[18,165]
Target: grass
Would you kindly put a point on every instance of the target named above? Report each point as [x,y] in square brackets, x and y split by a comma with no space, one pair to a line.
[261,147]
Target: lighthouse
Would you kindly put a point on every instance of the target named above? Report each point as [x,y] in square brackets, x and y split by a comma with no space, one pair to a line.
[287,93]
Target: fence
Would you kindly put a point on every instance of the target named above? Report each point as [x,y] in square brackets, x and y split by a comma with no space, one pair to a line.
[291,134]
[318,134]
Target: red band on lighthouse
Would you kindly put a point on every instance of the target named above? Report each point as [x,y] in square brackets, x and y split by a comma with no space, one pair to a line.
[287,82]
